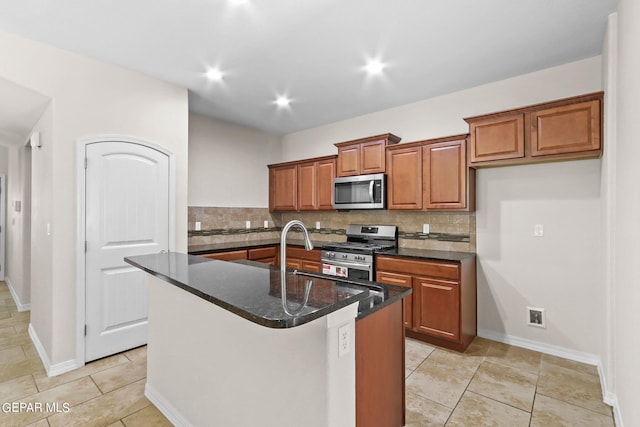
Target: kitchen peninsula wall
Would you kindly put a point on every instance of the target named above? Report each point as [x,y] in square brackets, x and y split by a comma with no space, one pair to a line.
[448,230]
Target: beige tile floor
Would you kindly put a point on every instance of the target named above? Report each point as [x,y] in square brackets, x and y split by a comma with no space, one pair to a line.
[492,384]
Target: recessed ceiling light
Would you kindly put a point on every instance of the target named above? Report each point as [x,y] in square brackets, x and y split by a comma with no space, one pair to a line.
[374,67]
[215,75]
[282,101]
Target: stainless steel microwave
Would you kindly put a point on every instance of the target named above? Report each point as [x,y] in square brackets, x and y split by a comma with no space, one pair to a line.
[360,192]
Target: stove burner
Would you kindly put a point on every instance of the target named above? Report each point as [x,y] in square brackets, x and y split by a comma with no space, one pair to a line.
[366,239]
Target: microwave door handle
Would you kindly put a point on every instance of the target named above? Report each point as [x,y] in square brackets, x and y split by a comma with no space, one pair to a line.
[371,190]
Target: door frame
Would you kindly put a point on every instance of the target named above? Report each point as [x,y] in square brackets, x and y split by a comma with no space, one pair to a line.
[3,225]
[81,146]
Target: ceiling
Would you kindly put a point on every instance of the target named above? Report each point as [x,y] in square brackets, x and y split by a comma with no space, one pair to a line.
[314,51]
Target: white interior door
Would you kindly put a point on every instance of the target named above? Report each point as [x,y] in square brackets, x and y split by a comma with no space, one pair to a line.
[127,214]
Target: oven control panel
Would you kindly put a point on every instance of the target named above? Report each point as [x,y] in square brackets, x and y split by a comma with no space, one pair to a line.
[347,257]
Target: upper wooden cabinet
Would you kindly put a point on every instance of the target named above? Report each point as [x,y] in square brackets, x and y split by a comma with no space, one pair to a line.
[364,156]
[305,185]
[431,174]
[283,185]
[566,129]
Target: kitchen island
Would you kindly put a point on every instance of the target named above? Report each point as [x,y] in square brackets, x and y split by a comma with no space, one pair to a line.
[225,348]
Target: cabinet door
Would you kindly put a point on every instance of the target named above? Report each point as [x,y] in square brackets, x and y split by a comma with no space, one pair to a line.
[294,263]
[445,175]
[349,160]
[372,157]
[283,192]
[313,266]
[400,280]
[437,308]
[307,196]
[228,256]
[497,139]
[567,129]
[324,185]
[404,178]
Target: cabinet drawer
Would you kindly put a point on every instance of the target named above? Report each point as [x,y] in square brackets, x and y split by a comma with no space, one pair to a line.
[296,252]
[394,279]
[440,269]
[258,253]
[228,256]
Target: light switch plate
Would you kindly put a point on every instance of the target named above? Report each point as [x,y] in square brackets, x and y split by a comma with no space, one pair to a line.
[538,230]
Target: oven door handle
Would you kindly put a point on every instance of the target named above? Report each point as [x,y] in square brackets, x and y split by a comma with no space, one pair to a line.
[347,264]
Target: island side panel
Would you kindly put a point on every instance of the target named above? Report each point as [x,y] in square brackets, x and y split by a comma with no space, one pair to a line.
[380,372]
[207,366]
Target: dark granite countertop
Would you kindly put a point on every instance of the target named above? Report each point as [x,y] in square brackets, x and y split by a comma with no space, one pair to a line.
[253,290]
[400,252]
[427,254]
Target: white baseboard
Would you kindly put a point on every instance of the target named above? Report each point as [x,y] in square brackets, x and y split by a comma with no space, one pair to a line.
[550,349]
[58,368]
[578,356]
[165,407]
[14,295]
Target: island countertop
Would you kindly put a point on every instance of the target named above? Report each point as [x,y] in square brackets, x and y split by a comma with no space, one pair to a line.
[253,290]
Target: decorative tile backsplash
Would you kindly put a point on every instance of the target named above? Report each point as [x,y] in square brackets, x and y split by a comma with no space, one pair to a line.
[455,231]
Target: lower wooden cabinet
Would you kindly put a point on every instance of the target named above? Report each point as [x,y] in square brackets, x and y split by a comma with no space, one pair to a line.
[266,254]
[301,259]
[438,307]
[442,309]
[406,281]
[228,256]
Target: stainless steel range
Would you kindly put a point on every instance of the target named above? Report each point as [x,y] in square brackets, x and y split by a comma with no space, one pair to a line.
[354,259]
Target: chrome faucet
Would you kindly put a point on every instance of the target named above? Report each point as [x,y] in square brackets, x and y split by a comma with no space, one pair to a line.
[283,242]
[283,266]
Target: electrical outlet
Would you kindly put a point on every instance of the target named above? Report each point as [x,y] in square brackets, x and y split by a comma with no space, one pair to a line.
[425,228]
[198,226]
[344,340]
[536,317]
[317,225]
[248,224]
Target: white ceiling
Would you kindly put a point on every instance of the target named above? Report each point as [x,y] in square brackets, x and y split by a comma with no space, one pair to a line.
[314,50]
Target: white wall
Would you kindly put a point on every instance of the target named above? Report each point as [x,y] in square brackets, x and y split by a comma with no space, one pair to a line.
[88,98]
[228,163]
[4,159]
[560,272]
[625,176]
[443,115]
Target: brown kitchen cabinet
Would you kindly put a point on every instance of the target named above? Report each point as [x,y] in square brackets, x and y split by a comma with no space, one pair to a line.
[443,305]
[228,255]
[405,281]
[283,187]
[430,175]
[565,129]
[364,156]
[266,254]
[302,259]
[305,185]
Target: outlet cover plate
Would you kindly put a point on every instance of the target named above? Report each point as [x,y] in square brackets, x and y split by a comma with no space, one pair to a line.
[536,317]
